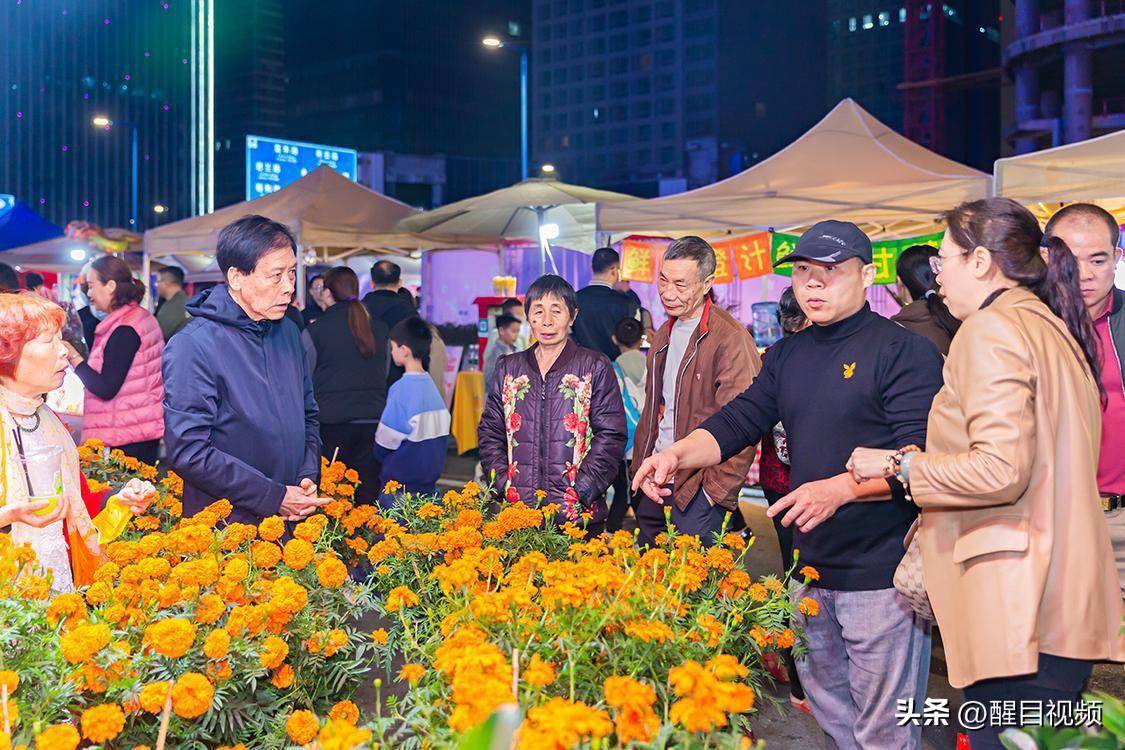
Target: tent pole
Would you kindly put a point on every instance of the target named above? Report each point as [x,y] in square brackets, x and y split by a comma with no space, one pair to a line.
[146,276]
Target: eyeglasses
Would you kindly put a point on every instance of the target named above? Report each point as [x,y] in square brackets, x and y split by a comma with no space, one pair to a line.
[935,260]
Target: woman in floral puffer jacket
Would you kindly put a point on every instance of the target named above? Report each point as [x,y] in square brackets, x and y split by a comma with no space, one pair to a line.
[553,429]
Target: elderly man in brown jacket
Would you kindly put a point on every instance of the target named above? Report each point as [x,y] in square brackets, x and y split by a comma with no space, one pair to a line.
[700,359]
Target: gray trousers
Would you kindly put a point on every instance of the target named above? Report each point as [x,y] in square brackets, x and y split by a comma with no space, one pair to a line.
[867,650]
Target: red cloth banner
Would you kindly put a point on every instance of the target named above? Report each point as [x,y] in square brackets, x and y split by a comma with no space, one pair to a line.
[638,257]
[751,254]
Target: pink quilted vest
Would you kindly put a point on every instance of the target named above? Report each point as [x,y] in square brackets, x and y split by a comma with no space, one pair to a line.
[136,413]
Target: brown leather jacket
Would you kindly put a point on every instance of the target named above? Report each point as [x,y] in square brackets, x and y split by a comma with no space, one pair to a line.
[720,362]
[1015,549]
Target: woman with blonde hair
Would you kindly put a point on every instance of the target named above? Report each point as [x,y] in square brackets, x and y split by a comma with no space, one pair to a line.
[44,499]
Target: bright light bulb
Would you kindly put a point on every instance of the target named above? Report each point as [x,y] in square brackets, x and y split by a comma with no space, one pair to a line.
[102,121]
[492,41]
[549,231]
[159,208]
[547,168]
[78,254]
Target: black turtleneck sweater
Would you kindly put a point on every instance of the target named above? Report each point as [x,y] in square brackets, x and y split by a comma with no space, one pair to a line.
[862,382]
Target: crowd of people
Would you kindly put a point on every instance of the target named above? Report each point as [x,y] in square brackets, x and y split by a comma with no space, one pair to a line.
[958,464]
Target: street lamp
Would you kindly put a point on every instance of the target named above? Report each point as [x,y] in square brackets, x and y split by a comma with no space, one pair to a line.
[495,42]
[159,208]
[547,169]
[103,122]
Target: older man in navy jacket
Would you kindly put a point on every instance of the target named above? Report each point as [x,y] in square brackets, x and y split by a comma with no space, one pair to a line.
[240,417]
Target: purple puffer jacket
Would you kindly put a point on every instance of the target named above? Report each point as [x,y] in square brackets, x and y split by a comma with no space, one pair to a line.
[564,435]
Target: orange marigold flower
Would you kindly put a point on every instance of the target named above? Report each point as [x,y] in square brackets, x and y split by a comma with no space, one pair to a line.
[411,673]
[309,530]
[84,641]
[331,573]
[302,726]
[344,711]
[171,637]
[391,487]
[66,608]
[273,653]
[636,721]
[648,630]
[298,553]
[539,673]
[192,695]
[282,679]
[102,723]
[217,644]
[271,529]
[560,723]
[430,511]
[809,607]
[265,554]
[810,573]
[153,695]
[58,737]
[400,597]
[210,608]
[785,639]
[379,636]
[10,680]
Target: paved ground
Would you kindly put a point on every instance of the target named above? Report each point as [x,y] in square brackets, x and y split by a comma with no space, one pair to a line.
[781,726]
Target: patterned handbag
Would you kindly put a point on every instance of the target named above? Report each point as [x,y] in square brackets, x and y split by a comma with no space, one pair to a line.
[909,580]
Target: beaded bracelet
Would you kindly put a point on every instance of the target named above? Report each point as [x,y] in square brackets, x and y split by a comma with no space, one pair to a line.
[899,462]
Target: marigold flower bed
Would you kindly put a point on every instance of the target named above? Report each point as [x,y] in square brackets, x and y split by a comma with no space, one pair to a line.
[238,635]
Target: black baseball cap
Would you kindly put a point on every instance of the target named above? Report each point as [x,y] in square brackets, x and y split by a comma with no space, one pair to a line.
[831,242]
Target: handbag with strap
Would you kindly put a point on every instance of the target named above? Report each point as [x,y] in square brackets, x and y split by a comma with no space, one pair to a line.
[908,579]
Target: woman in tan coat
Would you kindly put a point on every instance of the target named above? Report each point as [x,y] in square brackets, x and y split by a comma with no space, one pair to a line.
[1015,550]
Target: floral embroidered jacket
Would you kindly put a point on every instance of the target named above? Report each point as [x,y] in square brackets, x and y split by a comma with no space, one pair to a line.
[563,435]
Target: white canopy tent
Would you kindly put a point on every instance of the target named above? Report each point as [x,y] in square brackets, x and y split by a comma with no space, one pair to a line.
[849,166]
[57,255]
[327,212]
[1091,170]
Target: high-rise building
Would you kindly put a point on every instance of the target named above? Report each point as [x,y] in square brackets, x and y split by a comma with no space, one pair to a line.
[1067,62]
[654,97]
[929,70]
[408,78]
[250,96]
[140,65]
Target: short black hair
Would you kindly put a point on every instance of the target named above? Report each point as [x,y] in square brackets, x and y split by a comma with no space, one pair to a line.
[789,313]
[628,332]
[315,277]
[503,320]
[385,273]
[604,259]
[9,279]
[32,280]
[1088,211]
[550,284]
[414,334]
[913,267]
[175,274]
[510,304]
[243,242]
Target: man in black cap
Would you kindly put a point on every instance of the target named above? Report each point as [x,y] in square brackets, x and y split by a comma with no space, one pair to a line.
[850,378]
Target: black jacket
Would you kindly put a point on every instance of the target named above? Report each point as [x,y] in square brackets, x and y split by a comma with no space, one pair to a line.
[239,414]
[348,387]
[600,309]
[388,306]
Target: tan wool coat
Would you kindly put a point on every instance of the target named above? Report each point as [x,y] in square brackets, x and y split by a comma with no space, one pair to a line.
[1015,548]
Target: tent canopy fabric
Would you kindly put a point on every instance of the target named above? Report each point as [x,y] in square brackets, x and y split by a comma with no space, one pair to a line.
[324,209]
[515,213]
[1091,170]
[849,166]
[20,226]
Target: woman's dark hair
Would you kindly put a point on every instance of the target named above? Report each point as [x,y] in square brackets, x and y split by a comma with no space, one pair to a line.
[914,270]
[243,242]
[548,285]
[344,285]
[789,313]
[414,333]
[1011,234]
[129,289]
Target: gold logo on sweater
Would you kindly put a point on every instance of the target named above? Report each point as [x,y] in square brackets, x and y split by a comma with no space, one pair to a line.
[849,370]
